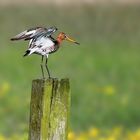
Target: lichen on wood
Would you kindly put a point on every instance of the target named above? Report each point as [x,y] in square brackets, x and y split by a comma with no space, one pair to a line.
[50,106]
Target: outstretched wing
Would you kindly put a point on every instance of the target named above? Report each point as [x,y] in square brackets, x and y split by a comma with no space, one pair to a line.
[50,31]
[34,33]
[45,32]
[28,33]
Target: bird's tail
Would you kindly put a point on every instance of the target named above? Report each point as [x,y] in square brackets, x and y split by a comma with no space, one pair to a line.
[27,53]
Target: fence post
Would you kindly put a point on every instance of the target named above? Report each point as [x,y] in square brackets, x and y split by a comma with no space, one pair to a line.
[49,109]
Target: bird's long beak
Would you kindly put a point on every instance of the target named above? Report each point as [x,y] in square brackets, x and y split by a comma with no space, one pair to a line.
[71,40]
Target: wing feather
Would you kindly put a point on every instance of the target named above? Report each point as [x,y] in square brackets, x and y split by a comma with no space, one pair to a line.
[28,33]
[35,33]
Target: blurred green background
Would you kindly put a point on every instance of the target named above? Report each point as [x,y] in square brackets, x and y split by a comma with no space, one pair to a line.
[104,70]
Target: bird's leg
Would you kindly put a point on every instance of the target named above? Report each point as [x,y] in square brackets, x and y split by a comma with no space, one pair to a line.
[42,67]
[47,67]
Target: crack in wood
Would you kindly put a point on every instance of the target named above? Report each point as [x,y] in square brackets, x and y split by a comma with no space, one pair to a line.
[49,109]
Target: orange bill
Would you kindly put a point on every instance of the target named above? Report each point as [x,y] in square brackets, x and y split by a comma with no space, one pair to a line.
[71,40]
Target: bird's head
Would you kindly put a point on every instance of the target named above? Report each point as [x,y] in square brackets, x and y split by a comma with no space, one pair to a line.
[62,36]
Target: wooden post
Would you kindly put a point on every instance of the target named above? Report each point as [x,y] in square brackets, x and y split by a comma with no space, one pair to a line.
[49,109]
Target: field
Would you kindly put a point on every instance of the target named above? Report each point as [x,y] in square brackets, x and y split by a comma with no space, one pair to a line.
[103,70]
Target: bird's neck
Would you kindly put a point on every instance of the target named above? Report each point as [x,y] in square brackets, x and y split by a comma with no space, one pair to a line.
[59,40]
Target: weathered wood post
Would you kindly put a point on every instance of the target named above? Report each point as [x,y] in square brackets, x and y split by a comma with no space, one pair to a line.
[49,109]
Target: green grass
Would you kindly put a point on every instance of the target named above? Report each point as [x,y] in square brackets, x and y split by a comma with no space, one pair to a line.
[107,57]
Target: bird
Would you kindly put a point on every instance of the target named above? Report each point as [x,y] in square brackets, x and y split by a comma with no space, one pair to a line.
[42,43]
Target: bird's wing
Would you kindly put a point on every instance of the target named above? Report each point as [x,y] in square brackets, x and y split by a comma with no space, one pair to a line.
[28,33]
[50,31]
[35,33]
[44,33]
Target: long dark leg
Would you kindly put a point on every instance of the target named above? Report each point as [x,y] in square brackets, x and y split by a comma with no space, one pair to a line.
[42,67]
[47,67]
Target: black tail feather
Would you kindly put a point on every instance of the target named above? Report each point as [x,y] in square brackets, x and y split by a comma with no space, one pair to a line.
[13,39]
[27,53]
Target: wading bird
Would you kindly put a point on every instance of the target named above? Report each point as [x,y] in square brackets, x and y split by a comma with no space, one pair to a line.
[42,43]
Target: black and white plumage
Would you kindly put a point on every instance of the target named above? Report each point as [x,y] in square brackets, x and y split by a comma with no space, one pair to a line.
[42,45]
[40,42]
[34,33]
